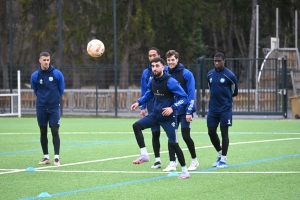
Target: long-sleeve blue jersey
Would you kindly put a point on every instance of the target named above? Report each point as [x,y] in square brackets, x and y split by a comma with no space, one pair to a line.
[187,82]
[223,86]
[160,103]
[48,86]
[146,75]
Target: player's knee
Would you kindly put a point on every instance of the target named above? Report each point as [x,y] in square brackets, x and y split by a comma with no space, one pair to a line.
[43,130]
[212,131]
[186,133]
[174,145]
[137,126]
[155,135]
[54,130]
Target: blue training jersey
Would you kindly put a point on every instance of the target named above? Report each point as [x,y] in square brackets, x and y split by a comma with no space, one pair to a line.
[48,86]
[160,103]
[222,86]
[146,75]
[186,76]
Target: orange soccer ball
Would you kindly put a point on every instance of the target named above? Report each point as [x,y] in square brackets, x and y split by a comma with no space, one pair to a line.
[95,48]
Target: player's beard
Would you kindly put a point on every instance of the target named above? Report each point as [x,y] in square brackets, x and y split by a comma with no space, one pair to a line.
[159,74]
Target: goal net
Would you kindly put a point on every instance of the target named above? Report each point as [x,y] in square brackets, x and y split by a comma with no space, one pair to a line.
[10,103]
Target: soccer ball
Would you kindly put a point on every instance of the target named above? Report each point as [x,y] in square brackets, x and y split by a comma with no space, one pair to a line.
[95,48]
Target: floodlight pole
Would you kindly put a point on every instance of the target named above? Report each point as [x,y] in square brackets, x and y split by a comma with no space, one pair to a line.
[11,48]
[60,48]
[296,30]
[115,59]
[257,48]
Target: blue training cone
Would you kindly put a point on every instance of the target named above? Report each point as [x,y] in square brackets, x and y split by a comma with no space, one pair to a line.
[43,195]
[30,169]
[173,174]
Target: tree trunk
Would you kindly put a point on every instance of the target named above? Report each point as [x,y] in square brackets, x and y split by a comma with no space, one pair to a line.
[252,41]
[215,37]
[3,44]
[230,46]
[123,84]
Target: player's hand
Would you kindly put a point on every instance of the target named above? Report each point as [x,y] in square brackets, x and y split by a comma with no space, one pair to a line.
[189,118]
[143,113]
[134,106]
[167,111]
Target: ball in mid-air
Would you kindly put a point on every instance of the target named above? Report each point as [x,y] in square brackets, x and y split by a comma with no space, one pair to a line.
[95,48]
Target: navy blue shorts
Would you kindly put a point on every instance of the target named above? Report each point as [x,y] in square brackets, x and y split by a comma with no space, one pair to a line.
[154,128]
[52,116]
[167,123]
[181,119]
[225,119]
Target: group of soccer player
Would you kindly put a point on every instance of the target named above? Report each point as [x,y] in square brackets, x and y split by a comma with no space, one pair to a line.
[168,94]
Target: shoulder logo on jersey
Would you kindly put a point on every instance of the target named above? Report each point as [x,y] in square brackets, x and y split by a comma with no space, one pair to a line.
[50,78]
[210,80]
[222,80]
[41,81]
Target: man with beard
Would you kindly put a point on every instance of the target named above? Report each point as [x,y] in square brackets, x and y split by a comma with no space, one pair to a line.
[146,76]
[164,89]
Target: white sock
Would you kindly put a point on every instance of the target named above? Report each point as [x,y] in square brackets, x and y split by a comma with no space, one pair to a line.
[173,163]
[46,156]
[184,169]
[220,153]
[194,159]
[144,151]
[56,156]
[157,159]
[223,158]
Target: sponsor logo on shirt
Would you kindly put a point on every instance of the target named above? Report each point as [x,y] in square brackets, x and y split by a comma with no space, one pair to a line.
[158,94]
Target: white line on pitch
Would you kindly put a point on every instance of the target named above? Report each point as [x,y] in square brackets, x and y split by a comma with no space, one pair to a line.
[122,157]
[149,172]
[104,133]
[9,169]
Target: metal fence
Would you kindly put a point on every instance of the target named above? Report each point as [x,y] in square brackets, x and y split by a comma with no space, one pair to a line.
[91,90]
[267,96]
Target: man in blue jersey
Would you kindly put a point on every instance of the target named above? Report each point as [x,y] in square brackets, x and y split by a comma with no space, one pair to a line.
[223,87]
[147,74]
[184,116]
[163,89]
[48,85]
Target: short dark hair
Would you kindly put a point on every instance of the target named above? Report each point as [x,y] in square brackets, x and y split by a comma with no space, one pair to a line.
[172,53]
[158,59]
[220,54]
[46,54]
[155,49]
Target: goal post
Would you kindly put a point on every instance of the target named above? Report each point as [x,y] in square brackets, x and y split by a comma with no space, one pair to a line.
[12,95]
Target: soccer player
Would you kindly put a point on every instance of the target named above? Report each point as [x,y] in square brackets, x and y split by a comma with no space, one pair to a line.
[223,87]
[163,88]
[184,116]
[48,85]
[147,74]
